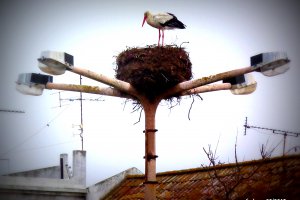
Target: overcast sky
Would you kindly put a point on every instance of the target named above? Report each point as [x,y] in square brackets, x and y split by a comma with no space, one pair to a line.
[222,35]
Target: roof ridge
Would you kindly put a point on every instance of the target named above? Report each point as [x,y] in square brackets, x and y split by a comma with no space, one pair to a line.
[30,170]
[221,166]
[230,165]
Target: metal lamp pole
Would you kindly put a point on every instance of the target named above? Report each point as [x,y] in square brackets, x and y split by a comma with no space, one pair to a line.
[124,89]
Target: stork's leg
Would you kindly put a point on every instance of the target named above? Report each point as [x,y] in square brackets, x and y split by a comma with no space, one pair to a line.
[163,37]
[158,37]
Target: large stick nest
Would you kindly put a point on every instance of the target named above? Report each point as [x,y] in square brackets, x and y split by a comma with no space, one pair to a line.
[153,70]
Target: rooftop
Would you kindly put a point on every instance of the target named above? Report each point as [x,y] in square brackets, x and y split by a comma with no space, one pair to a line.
[260,179]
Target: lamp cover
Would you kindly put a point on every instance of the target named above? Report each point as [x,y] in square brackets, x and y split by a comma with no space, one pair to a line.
[271,63]
[243,84]
[32,83]
[55,63]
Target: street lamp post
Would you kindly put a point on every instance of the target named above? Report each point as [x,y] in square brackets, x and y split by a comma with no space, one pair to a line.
[238,81]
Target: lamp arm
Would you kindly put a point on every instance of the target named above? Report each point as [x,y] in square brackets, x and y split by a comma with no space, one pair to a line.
[207,88]
[61,67]
[185,86]
[118,84]
[107,91]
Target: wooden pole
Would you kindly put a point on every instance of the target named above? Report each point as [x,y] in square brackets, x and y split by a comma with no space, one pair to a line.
[150,149]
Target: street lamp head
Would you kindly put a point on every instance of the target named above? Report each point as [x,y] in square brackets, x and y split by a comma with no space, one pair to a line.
[32,84]
[271,63]
[55,63]
[243,84]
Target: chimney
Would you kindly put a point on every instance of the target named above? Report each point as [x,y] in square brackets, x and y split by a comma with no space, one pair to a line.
[79,167]
[64,166]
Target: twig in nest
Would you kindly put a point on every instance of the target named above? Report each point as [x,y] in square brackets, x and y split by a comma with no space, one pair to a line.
[191,108]
[125,102]
[139,116]
[183,43]
[173,105]
[189,113]
[198,95]
[165,77]
[136,107]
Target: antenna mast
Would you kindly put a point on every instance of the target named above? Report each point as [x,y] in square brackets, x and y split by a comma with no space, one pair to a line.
[274,131]
[81,110]
[81,117]
[81,99]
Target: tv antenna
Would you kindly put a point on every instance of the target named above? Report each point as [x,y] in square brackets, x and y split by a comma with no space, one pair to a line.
[81,99]
[274,131]
[11,111]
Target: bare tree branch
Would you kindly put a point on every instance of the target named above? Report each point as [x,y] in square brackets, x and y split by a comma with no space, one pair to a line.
[267,154]
[223,186]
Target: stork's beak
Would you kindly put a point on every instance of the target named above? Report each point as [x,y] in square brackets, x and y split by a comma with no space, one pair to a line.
[144,20]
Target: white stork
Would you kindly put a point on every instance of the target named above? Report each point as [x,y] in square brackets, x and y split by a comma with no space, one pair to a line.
[162,21]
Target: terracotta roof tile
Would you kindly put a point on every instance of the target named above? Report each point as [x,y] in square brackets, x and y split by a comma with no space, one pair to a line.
[272,178]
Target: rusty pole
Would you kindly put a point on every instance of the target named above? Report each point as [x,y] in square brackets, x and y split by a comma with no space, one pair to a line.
[150,151]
